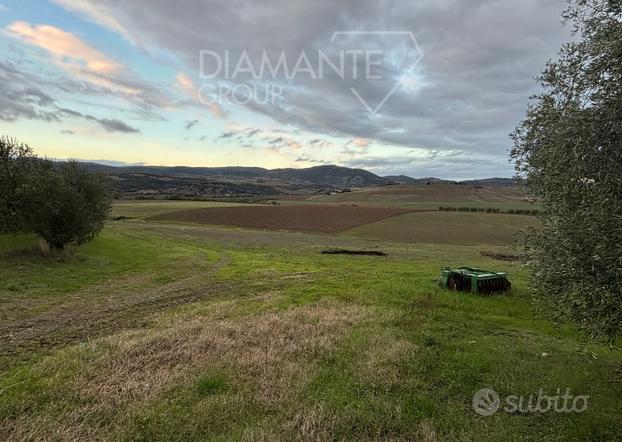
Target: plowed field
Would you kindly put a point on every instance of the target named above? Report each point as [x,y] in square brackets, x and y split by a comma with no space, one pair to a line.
[316,218]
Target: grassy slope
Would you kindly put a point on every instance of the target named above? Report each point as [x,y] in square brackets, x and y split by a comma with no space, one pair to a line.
[143,209]
[284,342]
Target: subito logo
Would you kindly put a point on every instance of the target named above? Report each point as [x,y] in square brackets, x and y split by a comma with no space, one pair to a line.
[486,402]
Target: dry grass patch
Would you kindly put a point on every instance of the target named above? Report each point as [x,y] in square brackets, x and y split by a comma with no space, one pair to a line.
[268,349]
[383,359]
[316,424]
[268,356]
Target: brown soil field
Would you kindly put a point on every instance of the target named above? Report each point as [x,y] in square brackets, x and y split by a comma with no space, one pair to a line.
[316,218]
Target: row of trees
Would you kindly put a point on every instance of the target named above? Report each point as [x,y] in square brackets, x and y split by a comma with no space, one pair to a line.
[489,210]
[61,202]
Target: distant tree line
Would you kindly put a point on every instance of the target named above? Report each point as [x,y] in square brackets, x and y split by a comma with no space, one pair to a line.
[489,210]
[63,203]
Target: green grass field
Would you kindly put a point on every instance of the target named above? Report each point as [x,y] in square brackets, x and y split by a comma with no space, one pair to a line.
[143,209]
[447,228]
[159,331]
[428,197]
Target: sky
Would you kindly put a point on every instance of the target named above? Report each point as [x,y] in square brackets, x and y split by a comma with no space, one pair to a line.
[422,88]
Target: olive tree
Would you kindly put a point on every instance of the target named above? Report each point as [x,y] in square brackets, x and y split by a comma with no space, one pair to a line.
[569,149]
[61,202]
[16,170]
[70,205]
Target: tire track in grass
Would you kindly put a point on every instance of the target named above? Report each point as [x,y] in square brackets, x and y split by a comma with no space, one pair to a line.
[101,310]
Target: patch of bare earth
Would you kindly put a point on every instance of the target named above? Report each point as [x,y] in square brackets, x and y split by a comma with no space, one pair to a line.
[270,353]
[308,218]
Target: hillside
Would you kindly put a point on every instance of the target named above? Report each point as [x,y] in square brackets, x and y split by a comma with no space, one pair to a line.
[496,181]
[322,175]
[223,182]
[207,182]
[330,175]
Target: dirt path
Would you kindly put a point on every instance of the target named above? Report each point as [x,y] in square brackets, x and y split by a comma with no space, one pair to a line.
[98,311]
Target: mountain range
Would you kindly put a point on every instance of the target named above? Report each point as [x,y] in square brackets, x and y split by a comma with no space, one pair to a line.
[198,182]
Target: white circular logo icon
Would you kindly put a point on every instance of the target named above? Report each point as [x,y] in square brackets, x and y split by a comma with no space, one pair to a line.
[486,402]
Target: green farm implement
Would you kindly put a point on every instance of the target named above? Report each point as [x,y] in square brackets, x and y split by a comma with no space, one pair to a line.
[467,279]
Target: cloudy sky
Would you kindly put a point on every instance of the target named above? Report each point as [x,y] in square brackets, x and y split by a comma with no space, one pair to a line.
[424,88]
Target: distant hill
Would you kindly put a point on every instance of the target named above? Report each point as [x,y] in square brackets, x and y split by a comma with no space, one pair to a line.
[322,175]
[400,179]
[405,179]
[183,171]
[331,175]
[207,182]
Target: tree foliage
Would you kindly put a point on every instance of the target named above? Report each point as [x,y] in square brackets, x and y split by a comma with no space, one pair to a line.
[63,203]
[569,148]
[16,168]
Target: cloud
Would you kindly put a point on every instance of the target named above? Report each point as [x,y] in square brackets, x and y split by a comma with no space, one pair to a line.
[358,142]
[66,47]
[191,124]
[89,71]
[21,97]
[320,143]
[67,132]
[240,134]
[187,86]
[440,164]
[225,135]
[467,94]
[280,142]
[96,12]
[252,137]
[113,125]
[305,159]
